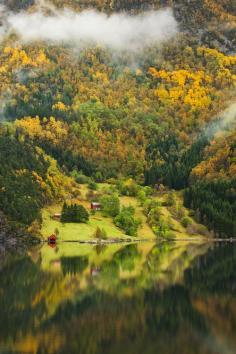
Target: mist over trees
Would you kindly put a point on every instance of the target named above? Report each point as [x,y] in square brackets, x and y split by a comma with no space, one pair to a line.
[139,115]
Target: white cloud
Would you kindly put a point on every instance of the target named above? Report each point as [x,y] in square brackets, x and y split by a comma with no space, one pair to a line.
[225,121]
[118,31]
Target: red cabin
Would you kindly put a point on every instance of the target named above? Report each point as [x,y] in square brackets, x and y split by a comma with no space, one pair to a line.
[52,239]
[95,206]
[56,216]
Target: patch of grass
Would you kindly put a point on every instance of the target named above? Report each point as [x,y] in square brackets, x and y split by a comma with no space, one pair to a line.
[77,231]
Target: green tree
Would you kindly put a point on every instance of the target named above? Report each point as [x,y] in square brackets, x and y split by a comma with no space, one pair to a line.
[110,205]
[127,222]
[74,213]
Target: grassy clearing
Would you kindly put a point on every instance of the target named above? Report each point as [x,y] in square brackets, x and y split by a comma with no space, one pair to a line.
[75,231]
[145,230]
[51,256]
[81,231]
[178,229]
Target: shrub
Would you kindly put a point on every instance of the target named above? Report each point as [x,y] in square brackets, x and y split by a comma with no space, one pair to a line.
[79,177]
[126,221]
[110,205]
[170,223]
[161,228]
[111,181]
[141,196]
[92,185]
[111,189]
[177,211]
[129,188]
[98,176]
[150,204]
[148,191]
[191,213]
[185,221]
[154,216]
[202,230]
[100,234]
[170,200]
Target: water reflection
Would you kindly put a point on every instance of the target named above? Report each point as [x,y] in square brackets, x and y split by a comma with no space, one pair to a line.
[153,298]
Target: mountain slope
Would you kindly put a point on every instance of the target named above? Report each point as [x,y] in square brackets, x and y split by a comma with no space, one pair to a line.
[122,114]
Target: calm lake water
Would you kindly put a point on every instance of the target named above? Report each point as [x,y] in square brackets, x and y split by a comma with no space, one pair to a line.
[147,298]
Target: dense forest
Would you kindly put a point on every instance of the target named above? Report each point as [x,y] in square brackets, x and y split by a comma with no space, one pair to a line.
[162,115]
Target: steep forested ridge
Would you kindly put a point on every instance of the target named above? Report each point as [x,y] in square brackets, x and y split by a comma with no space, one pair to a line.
[120,116]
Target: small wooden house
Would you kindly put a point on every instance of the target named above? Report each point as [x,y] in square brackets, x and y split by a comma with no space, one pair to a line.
[95,206]
[52,239]
[57,216]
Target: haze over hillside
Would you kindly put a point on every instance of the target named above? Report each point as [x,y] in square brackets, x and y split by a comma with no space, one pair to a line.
[141,90]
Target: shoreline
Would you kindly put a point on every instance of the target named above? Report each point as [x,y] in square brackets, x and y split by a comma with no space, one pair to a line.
[129,240]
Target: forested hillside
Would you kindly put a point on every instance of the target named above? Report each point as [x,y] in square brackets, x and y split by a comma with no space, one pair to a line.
[157,115]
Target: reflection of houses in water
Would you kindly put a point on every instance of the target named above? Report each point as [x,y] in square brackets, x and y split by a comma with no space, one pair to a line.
[94,271]
[52,245]
[55,264]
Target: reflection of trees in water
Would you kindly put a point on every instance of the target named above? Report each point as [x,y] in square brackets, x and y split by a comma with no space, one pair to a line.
[20,282]
[127,256]
[157,254]
[214,272]
[212,281]
[172,309]
[74,265]
[123,259]
[100,248]
[143,323]
[169,321]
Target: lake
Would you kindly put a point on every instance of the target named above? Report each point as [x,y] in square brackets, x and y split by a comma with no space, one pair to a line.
[167,298]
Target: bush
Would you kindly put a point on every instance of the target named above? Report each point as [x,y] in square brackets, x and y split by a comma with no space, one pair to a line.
[161,228]
[185,221]
[111,181]
[79,177]
[150,204]
[74,213]
[177,211]
[148,191]
[92,185]
[129,188]
[191,213]
[111,189]
[202,230]
[141,196]
[100,234]
[98,177]
[170,223]
[143,193]
[170,200]
[154,216]
[126,221]
[110,205]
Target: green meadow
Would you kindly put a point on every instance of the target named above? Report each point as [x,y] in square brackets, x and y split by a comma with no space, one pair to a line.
[86,231]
